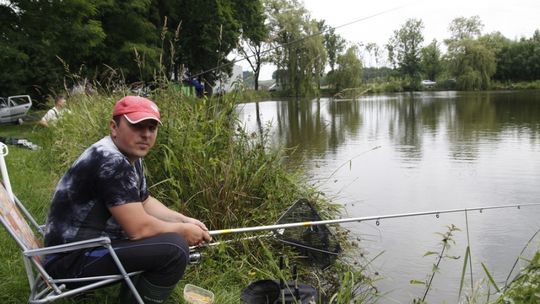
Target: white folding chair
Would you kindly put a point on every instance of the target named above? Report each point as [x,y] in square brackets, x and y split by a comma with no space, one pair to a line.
[43,287]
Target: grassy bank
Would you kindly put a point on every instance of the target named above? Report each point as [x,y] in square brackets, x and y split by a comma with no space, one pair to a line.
[203,166]
[524,85]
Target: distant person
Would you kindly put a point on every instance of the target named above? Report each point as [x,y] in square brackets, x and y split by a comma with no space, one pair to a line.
[55,112]
[199,86]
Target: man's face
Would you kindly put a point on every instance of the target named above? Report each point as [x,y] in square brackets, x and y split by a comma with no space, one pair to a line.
[61,103]
[134,140]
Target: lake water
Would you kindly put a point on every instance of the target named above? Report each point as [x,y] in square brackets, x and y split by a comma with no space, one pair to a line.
[402,153]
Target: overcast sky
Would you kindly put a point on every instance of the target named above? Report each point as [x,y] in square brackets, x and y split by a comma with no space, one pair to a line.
[513,18]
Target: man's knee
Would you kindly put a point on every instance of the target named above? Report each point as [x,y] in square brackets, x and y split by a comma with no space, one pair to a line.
[177,245]
[175,257]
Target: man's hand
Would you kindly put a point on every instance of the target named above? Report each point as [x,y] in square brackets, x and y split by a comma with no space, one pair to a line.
[193,221]
[195,235]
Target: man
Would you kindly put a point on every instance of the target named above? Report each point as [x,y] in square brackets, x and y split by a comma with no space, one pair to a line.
[104,193]
[55,112]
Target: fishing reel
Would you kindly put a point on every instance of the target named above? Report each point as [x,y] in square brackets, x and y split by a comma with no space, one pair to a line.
[195,256]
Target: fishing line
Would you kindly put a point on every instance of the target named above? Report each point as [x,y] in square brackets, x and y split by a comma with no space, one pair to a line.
[384,12]
[349,161]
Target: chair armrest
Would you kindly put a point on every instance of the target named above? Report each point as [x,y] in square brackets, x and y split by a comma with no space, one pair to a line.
[95,242]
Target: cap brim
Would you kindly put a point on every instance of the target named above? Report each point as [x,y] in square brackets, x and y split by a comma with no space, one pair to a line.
[135,118]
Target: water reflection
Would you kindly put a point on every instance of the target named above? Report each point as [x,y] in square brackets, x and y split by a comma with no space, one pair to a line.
[439,150]
[321,126]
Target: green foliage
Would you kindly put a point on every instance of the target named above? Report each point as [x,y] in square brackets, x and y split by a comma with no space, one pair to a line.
[38,34]
[490,277]
[378,75]
[471,60]
[250,95]
[353,284]
[521,85]
[301,57]
[525,288]
[446,242]
[254,36]
[349,72]
[465,28]
[145,40]
[335,44]
[391,86]
[431,61]
[404,50]
[346,292]
[472,63]
[142,40]
[519,60]
[132,43]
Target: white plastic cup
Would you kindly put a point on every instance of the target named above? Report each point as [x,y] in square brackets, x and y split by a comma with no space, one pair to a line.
[197,295]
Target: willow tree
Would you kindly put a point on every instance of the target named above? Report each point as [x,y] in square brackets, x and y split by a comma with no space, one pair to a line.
[298,48]
[312,59]
[471,61]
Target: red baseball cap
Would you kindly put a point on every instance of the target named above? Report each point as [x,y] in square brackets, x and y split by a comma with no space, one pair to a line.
[136,109]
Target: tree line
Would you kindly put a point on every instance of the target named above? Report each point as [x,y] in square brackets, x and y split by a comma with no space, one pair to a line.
[472,59]
[50,45]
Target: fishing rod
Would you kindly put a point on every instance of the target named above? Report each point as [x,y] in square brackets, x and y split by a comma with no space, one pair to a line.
[195,256]
[376,218]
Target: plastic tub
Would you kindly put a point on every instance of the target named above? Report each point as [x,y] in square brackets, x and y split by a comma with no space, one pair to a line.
[197,295]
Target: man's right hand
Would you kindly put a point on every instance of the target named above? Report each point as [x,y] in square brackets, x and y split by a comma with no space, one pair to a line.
[195,235]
